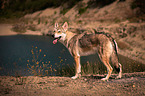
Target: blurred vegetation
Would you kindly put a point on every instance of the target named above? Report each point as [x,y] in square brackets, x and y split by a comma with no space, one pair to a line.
[82,10]
[99,3]
[18,8]
[140,4]
[37,66]
[140,14]
[20,27]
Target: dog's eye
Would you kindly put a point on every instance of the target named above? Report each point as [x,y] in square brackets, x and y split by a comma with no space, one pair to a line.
[53,31]
[59,31]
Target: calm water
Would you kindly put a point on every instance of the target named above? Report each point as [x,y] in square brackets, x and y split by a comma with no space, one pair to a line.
[16,50]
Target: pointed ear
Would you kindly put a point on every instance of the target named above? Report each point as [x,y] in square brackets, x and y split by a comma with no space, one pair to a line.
[65,26]
[56,25]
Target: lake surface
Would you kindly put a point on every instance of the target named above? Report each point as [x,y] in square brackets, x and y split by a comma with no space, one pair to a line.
[16,53]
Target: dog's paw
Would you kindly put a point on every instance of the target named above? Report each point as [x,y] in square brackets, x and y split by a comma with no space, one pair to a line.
[104,79]
[74,77]
[118,77]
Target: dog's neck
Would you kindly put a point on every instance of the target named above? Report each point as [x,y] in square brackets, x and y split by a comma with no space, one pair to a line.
[68,37]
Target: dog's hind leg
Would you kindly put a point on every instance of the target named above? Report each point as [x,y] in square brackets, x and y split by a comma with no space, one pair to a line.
[115,62]
[109,68]
[120,71]
[104,52]
[78,67]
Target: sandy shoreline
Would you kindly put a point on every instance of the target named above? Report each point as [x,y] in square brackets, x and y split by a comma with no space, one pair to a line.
[5,30]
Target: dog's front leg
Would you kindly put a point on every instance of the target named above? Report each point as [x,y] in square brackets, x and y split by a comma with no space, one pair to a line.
[78,67]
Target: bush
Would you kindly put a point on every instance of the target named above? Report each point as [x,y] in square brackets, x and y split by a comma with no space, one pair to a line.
[18,8]
[21,27]
[140,4]
[82,10]
[64,11]
[99,3]
[37,66]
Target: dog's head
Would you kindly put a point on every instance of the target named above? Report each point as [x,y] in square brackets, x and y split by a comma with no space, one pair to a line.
[60,32]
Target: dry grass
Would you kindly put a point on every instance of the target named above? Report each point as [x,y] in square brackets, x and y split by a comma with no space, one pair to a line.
[123,45]
[23,27]
[36,66]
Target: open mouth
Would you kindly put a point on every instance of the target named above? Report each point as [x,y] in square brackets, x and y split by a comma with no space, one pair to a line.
[56,39]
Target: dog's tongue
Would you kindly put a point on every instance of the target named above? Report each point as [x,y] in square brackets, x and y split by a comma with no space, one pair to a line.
[55,41]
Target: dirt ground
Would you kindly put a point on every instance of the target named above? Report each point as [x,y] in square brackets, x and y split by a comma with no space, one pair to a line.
[131,84]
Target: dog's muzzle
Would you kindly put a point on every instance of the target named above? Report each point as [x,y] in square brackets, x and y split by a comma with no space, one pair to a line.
[55,39]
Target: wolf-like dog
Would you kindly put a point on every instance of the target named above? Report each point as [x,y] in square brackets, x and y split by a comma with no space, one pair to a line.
[85,44]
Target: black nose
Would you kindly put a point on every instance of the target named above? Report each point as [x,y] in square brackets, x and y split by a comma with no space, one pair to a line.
[53,35]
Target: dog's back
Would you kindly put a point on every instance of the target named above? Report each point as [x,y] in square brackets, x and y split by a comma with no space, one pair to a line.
[87,43]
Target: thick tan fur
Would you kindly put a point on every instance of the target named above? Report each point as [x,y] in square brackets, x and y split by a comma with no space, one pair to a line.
[86,44]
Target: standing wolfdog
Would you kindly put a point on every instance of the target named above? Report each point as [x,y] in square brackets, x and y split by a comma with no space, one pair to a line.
[86,44]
